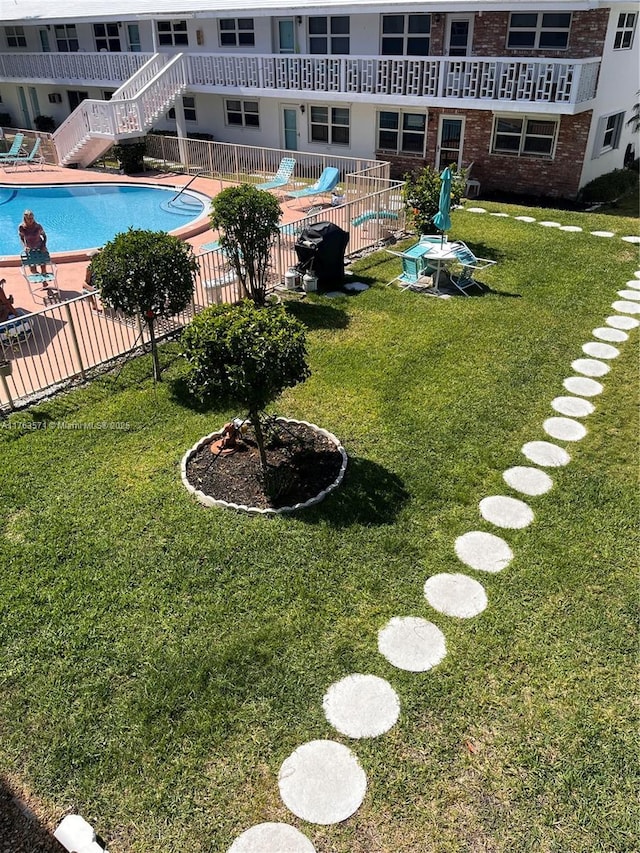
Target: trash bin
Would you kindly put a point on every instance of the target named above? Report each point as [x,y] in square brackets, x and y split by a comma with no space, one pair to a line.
[321,248]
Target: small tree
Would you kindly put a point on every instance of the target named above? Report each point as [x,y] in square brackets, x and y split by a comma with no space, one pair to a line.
[244,355]
[247,219]
[422,195]
[148,274]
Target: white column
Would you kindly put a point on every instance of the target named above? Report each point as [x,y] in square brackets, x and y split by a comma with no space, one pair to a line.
[154,36]
[181,127]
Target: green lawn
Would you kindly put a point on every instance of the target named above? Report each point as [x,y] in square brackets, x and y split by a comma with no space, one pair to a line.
[159,660]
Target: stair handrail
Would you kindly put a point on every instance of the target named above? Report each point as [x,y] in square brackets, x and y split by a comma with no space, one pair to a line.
[145,73]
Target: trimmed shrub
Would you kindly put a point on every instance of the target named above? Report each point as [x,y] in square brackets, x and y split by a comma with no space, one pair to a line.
[611,186]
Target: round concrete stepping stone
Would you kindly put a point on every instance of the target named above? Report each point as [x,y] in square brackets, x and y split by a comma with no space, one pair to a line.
[607,334]
[529,481]
[476,210]
[546,454]
[322,782]
[455,595]
[631,239]
[590,367]
[571,228]
[361,706]
[502,215]
[626,307]
[572,407]
[597,350]
[629,294]
[525,218]
[272,838]
[356,286]
[634,284]
[412,643]
[583,386]
[506,512]
[483,551]
[564,429]
[637,273]
[548,224]
[602,233]
[622,322]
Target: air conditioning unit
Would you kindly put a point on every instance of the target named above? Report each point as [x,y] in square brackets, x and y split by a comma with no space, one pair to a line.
[55,98]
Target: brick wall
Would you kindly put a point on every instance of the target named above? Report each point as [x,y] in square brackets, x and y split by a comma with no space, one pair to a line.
[586,36]
[557,178]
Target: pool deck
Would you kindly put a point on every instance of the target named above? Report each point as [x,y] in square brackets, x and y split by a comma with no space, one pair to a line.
[71,266]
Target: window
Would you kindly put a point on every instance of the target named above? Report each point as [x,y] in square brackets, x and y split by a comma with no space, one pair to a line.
[66,38]
[172,33]
[524,136]
[188,107]
[405,35]
[625,31]
[608,134]
[242,113]
[330,125]
[401,132]
[237,32]
[539,30]
[15,37]
[329,35]
[107,37]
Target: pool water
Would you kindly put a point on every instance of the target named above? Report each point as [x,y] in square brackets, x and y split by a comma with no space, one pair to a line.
[86,216]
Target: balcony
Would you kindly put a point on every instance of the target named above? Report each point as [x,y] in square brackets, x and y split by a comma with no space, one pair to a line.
[560,86]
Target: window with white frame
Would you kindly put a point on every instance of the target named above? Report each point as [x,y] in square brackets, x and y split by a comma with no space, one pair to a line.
[237,32]
[401,132]
[625,31]
[405,35]
[539,30]
[608,134]
[524,136]
[172,33]
[329,125]
[66,38]
[15,36]
[329,35]
[107,37]
[188,107]
[242,113]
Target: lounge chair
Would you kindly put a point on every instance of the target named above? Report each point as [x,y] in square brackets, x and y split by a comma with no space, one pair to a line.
[325,183]
[282,177]
[34,156]
[467,263]
[14,151]
[43,285]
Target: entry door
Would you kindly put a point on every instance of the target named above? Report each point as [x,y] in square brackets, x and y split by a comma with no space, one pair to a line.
[44,41]
[290,124]
[133,38]
[33,97]
[459,31]
[26,119]
[286,35]
[76,98]
[450,138]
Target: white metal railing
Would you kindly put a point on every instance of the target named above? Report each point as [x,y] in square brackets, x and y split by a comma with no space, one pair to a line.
[143,75]
[71,340]
[528,80]
[122,116]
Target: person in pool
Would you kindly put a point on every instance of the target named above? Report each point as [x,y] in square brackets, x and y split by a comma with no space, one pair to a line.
[33,238]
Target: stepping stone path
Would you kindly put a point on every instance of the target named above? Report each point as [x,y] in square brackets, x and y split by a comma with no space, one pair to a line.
[455,595]
[322,781]
[361,706]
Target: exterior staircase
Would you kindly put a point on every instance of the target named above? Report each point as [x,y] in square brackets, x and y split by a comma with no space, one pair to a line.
[94,126]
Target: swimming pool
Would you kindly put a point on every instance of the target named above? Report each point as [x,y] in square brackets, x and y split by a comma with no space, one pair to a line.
[84,216]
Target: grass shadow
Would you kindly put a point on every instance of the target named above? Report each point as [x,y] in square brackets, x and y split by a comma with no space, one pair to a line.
[18,823]
[316,315]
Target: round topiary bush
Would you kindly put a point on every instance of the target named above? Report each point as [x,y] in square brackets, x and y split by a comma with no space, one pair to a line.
[609,187]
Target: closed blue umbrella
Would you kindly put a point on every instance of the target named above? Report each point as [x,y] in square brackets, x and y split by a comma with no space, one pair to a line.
[442,219]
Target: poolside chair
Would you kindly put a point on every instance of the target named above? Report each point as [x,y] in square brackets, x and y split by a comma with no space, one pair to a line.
[34,156]
[14,151]
[281,177]
[43,286]
[466,265]
[325,183]
[16,329]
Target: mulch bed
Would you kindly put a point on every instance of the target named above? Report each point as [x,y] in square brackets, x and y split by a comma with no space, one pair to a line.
[301,461]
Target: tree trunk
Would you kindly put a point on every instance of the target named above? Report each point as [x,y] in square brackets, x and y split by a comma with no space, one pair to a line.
[154,350]
[254,417]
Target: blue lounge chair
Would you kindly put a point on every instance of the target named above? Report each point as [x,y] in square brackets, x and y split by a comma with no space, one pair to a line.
[281,177]
[34,156]
[325,183]
[14,151]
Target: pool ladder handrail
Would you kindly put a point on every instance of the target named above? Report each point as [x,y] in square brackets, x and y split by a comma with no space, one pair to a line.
[186,186]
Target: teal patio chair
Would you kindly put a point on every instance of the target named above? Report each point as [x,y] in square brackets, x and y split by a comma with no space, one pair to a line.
[14,151]
[466,265]
[282,177]
[34,156]
[325,183]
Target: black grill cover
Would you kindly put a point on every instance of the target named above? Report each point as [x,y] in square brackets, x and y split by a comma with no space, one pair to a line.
[321,249]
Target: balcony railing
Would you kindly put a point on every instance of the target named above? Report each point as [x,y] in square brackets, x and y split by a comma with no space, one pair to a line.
[442,79]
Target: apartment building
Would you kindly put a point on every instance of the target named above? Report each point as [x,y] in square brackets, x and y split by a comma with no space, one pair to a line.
[536,95]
